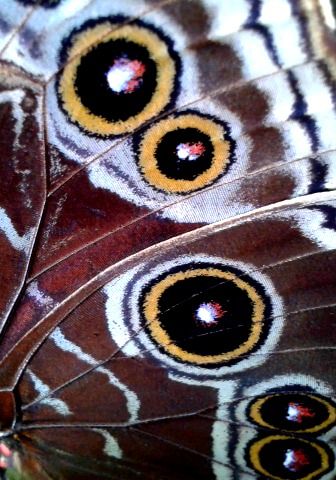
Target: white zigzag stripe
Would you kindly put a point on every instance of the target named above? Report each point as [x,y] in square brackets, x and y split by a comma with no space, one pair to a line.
[66,345]
[58,405]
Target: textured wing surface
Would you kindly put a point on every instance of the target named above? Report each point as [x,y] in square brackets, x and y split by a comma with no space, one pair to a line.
[167,224]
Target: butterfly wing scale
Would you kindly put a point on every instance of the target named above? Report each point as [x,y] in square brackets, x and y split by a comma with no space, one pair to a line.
[125,384]
[103,387]
[23,187]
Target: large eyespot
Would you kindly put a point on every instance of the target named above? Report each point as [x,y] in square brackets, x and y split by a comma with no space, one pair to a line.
[205,314]
[199,315]
[295,412]
[184,153]
[282,457]
[126,75]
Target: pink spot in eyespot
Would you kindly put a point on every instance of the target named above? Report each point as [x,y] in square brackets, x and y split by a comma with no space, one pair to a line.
[208,314]
[125,75]
[295,460]
[190,151]
[297,412]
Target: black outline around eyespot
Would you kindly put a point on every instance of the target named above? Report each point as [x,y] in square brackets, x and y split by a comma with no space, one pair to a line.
[114,20]
[139,135]
[300,433]
[195,265]
[319,443]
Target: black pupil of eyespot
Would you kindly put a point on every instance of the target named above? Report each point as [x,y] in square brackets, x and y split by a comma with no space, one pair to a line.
[293,412]
[289,459]
[119,58]
[184,153]
[189,305]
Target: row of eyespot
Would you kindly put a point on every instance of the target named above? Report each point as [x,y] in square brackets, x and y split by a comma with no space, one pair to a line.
[210,298]
[293,455]
[129,75]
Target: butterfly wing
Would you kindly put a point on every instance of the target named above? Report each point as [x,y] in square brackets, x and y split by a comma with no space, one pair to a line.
[244,121]
[142,395]
[23,183]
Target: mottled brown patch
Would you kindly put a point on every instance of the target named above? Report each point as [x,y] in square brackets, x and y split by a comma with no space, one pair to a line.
[267,147]
[248,102]
[219,66]
[190,16]
[267,187]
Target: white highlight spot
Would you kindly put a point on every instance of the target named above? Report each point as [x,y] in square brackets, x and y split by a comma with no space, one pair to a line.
[292,413]
[208,313]
[125,75]
[295,460]
[297,412]
[289,460]
[189,151]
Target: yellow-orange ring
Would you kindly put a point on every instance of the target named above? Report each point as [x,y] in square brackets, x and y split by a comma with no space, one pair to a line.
[151,313]
[166,72]
[257,405]
[148,163]
[254,454]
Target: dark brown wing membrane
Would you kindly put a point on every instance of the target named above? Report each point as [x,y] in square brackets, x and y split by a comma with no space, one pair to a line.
[177,318]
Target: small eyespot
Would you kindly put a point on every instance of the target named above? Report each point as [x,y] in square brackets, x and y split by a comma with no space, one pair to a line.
[205,314]
[120,77]
[184,153]
[282,457]
[293,412]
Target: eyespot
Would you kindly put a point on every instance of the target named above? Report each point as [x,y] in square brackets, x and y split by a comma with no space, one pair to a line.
[205,314]
[227,311]
[282,457]
[294,412]
[126,75]
[184,153]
